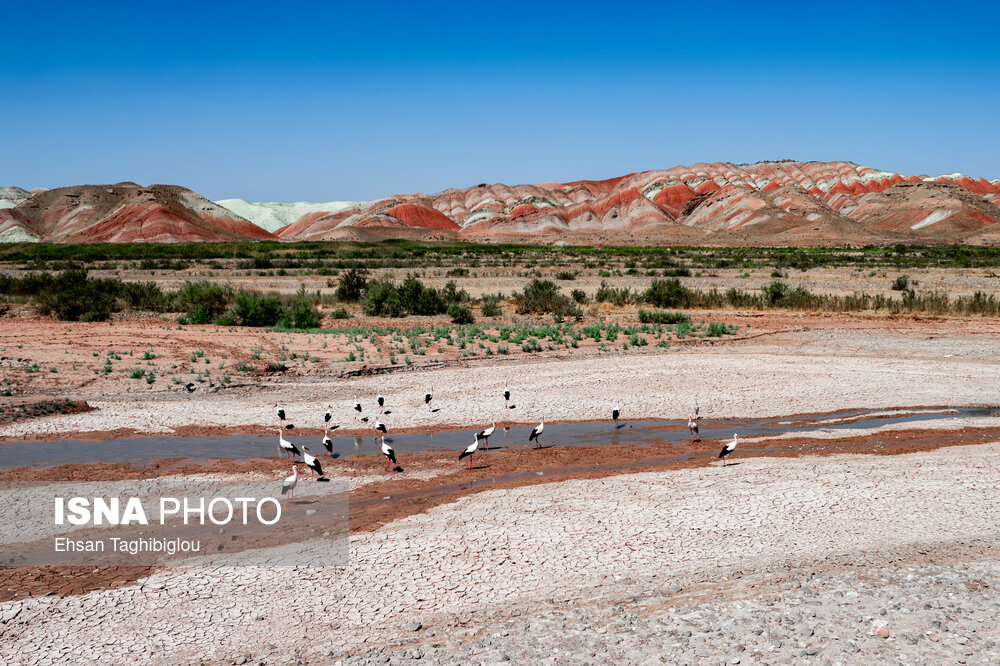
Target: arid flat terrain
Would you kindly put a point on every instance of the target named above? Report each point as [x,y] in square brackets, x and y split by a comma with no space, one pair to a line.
[861,494]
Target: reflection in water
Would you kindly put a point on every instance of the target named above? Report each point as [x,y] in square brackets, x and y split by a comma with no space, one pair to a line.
[593,433]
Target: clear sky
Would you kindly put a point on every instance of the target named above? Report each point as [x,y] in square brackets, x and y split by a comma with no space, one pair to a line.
[329,101]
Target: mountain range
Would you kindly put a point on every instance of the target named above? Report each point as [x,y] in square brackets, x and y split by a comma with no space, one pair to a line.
[780,202]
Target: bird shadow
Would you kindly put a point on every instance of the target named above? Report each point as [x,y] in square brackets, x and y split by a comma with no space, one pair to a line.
[397,468]
[435,410]
[545,446]
[388,440]
[619,426]
[323,479]
[388,411]
[334,455]
[512,407]
[480,467]
[299,502]
[732,464]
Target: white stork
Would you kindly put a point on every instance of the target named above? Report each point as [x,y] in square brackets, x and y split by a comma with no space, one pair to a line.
[615,413]
[469,450]
[506,398]
[729,448]
[380,399]
[380,428]
[428,397]
[357,408]
[390,455]
[280,412]
[287,447]
[288,486]
[311,462]
[327,442]
[485,435]
[328,415]
[693,427]
[536,432]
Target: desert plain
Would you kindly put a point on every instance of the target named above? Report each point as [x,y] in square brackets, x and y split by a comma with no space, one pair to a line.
[858,526]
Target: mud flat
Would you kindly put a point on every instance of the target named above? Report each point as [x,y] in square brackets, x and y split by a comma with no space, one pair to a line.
[670,549]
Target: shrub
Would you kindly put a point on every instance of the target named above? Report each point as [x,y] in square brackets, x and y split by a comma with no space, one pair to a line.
[252,309]
[901,283]
[382,299]
[617,296]
[775,292]
[543,296]
[667,318]
[460,314]
[202,300]
[300,312]
[668,294]
[351,286]
[490,306]
[341,313]
[718,329]
[579,295]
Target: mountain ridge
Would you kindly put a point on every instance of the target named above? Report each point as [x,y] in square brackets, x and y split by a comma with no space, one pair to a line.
[781,202]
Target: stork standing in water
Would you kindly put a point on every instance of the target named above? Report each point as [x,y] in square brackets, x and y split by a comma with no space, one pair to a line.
[287,447]
[311,462]
[390,455]
[327,442]
[485,435]
[693,427]
[729,448]
[288,486]
[469,450]
[427,399]
[357,408]
[615,413]
[536,432]
[381,402]
[380,428]
[280,412]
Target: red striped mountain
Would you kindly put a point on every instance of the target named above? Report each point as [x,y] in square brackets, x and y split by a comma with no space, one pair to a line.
[780,202]
[124,212]
[766,202]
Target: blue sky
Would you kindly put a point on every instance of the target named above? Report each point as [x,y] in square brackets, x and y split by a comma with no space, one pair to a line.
[299,101]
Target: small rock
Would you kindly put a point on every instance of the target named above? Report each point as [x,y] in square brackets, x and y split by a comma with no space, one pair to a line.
[416,626]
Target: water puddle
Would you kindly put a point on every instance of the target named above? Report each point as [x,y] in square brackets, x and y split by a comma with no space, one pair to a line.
[591,433]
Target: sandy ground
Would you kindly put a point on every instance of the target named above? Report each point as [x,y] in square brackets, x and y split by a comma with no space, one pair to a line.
[772,560]
[461,567]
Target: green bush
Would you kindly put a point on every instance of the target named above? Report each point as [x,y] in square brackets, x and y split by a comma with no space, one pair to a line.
[617,296]
[668,294]
[250,308]
[718,329]
[382,299]
[301,313]
[901,283]
[202,300]
[490,306]
[543,296]
[775,292]
[351,286]
[667,318]
[460,314]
